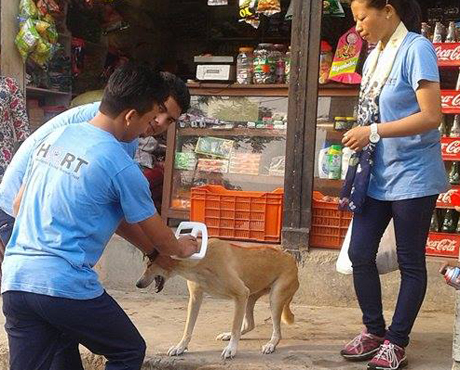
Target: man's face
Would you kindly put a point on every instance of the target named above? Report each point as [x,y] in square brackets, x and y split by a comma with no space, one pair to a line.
[168,113]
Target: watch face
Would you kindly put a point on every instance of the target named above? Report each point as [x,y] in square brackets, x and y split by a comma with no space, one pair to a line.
[374,138]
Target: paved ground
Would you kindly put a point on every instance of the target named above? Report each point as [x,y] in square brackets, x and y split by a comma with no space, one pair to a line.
[313,342]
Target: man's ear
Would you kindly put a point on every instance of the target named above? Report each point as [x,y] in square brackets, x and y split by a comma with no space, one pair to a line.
[130,116]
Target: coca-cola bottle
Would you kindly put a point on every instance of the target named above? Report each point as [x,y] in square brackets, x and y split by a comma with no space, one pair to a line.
[443,127]
[449,225]
[438,31]
[451,33]
[434,224]
[455,129]
[454,174]
[426,30]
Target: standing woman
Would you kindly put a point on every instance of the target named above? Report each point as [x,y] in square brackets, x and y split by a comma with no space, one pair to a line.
[14,128]
[396,173]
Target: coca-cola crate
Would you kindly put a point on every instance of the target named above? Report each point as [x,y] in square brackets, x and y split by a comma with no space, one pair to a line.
[444,200]
[443,245]
[450,148]
[448,54]
[450,101]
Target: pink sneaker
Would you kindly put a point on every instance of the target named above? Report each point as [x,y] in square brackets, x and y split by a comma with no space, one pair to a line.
[389,357]
[362,347]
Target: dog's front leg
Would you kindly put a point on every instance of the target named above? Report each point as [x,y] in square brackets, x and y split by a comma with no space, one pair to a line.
[194,304]
[241,300]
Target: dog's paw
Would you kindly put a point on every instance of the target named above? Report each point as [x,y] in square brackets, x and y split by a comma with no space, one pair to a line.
[224,336]
[177,350]
[229,352]
[268,348]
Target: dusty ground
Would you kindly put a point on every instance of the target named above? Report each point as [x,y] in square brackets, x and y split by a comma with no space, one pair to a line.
[313,342]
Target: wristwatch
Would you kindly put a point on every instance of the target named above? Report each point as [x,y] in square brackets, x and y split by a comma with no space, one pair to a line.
[374,137]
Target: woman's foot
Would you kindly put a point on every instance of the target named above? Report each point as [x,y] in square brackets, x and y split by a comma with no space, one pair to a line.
[363,347]
[389,357]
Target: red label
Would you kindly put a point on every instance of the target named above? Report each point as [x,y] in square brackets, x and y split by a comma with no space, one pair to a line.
[444,200]
[443,244]
[448,54]
[450,101]
[450,148]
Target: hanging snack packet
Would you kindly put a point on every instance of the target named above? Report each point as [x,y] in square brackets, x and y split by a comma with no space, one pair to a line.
[333,8]
[248,12]
[290,11]
[269,7]
[27,39]
[42,53]
[346,59]
[28,9]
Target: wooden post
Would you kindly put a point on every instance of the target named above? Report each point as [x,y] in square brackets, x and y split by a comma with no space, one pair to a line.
[11,64]
[301,131]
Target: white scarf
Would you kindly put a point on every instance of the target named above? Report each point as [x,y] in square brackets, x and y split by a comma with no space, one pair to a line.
[375,78]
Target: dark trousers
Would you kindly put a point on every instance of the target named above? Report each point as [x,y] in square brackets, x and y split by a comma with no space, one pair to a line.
[412,221]
[6,227]
[36,325]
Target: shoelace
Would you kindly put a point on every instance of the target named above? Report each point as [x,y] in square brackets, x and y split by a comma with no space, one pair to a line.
[357,342]
[387,353]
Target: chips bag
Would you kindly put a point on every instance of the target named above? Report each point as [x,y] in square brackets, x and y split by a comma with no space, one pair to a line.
[346,59]
[248,13]
[269,7]
[333,8]
[27,39]
[42,53]
[28,9]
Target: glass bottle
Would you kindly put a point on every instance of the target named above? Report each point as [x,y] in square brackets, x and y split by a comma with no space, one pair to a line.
[454,174]
[244,66]
[434,224]
[438,30]
[455,129]
[443,127]
[451,33]
[449,224]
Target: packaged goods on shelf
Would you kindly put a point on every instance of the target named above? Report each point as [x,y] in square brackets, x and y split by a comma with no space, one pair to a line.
[213,165]
[185,161]
[214,146]
[245,163]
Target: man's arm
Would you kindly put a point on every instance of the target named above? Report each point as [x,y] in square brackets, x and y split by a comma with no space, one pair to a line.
[17,201]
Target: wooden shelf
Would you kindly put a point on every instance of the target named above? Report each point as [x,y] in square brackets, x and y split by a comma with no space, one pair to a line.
[40,91]
[331,134]
[250,132]
[240,177]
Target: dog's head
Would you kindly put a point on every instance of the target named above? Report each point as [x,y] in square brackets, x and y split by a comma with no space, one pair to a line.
[154,272]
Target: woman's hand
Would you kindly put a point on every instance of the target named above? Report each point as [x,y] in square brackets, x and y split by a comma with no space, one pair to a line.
[357,138]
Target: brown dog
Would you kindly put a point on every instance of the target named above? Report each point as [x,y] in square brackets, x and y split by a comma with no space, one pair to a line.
[243,274]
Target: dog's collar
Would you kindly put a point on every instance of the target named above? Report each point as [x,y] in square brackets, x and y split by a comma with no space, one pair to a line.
[153,255]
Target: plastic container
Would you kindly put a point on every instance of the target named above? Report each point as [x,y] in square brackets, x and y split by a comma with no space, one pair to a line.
[325,62]
[322,163]
[287,67]
[279,55]
[346,155]
[244,66]
[264,70]
[238,215]
[329,225]
[334,162]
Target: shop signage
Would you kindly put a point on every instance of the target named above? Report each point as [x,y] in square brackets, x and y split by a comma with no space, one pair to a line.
[443,244]
[450,101]
[448,54]
[450,148]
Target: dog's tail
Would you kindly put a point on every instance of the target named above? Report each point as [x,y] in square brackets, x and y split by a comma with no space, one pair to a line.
[287,315]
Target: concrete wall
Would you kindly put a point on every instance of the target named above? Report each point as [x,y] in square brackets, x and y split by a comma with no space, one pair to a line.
[122,264]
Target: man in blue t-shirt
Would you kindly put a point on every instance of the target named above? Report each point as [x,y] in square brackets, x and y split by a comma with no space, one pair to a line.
[80,187]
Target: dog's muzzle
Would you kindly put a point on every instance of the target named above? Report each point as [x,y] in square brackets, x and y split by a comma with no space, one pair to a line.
[159,283]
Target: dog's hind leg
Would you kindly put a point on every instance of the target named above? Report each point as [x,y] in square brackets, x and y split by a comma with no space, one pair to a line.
[194,304]
[281,293]
[240,295]
[248,323]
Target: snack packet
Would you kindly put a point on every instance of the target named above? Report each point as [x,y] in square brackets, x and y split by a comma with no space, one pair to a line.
[28,9]
[333,8]
[346,59]
[42,53]
[27,39]
[248,12]
[269,7]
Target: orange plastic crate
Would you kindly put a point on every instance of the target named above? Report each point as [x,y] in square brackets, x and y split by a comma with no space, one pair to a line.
[329,225]
[238,215]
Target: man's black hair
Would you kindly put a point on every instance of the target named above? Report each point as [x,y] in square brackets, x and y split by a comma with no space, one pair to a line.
[133,86]
[177,90]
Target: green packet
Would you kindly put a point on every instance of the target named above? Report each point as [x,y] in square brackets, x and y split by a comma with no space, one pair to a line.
[185,161]
[214,146]
[333,8]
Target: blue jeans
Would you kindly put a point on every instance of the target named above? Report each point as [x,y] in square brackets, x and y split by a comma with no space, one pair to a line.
[36,325]
[411,219]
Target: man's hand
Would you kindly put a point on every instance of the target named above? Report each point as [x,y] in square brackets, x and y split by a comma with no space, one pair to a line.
[189,245]
[447,264]
[357,138]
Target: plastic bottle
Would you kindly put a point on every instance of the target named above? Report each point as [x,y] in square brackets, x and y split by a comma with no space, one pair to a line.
[334,162]
[322,163]
[346,155]
[280,56]
[244,66]
[287,67]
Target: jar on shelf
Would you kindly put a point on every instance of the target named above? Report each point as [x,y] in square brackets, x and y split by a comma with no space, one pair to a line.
[244,66]
[325,62]
[287,65]
[279,52]
[263,65]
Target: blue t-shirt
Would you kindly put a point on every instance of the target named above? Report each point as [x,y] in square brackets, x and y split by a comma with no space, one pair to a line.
[76,193]
[411,166]
[12,179]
